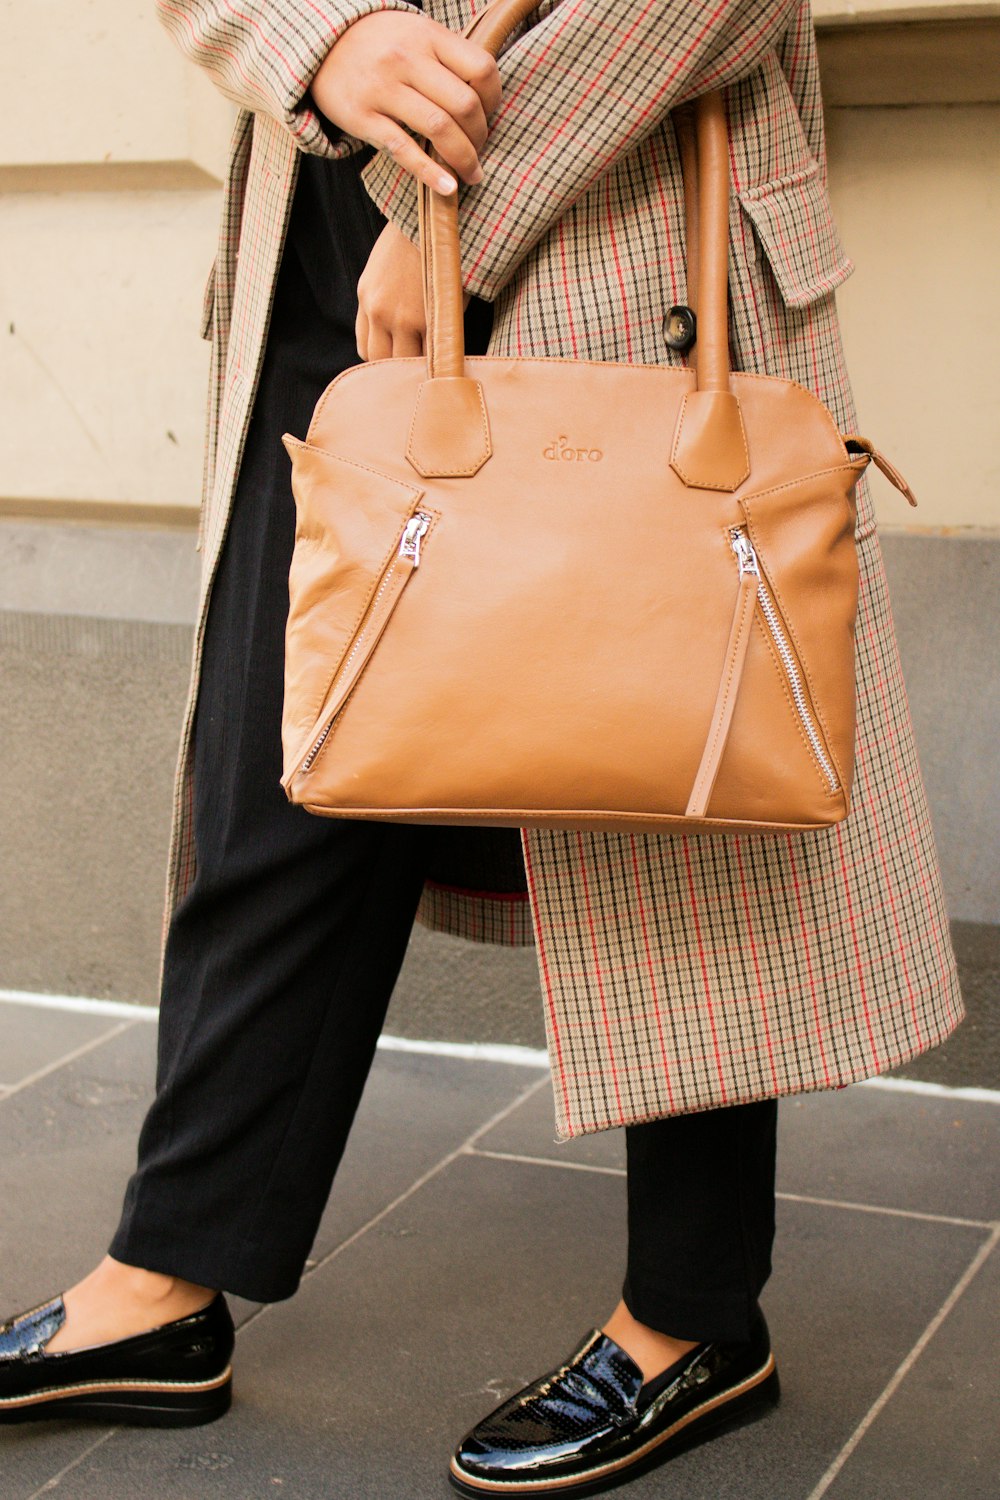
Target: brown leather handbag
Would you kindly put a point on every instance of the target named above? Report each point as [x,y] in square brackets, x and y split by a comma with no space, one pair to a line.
[546,592]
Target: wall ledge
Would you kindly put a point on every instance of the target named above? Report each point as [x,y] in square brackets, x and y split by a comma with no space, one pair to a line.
[827,13]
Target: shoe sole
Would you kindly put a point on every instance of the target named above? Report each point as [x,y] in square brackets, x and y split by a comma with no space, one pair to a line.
[136,1403]
[746,1403]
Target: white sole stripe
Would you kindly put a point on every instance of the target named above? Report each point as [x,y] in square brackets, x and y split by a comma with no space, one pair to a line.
[493,1052]
[108,1387]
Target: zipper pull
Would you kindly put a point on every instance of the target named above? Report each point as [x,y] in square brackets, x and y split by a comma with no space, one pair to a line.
[414,531]
[745,555]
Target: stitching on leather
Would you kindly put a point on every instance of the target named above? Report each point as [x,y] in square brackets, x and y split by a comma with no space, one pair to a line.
[813,697]
[435,518]
[316,701]
[790,484]
[415,490]
[786,694]
[437,471]
[707,484]
[747,610]
[666,371]
[786,621]
[570,817]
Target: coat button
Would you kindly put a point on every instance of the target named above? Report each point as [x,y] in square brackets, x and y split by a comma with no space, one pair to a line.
[680,329]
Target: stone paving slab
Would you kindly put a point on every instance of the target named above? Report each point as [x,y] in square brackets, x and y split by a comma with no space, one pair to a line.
[937,1437]
[868,1145]
[485,1278]
[487,1271]
[31,1039]
[70,1139]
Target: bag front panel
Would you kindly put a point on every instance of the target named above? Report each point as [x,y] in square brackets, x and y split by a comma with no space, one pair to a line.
[557,656]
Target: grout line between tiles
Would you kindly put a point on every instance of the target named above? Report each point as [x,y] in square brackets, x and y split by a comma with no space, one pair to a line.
[56,1479]
[878,1406]
[546,1161]
[879,1208]
[446,1161]
[861,1208]
[61,1062]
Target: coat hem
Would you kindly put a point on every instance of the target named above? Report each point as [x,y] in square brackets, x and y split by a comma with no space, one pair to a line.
[567,1130]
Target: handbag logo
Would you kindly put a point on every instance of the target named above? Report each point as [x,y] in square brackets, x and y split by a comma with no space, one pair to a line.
[560,450]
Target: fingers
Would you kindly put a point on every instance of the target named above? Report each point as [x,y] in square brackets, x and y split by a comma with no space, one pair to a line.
[361,334]
[388,135]
[449,103]
[407,341]
[390,74]
[379,337]
[387,343]
[445,134]
[471,62]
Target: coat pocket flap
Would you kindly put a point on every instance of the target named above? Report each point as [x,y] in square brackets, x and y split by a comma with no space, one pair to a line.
[794,223]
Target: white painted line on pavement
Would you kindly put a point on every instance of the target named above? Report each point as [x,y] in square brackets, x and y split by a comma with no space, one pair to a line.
[931,1090]
[498,1052]
[123,1010]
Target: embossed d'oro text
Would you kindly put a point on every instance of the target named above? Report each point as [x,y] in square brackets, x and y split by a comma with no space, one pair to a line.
[560,449]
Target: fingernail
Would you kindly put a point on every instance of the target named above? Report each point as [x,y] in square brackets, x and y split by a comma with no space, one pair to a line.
[447,185]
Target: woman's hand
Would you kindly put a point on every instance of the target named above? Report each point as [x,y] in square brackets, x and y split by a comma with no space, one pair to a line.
[390,299]
[390,320]
[394,68]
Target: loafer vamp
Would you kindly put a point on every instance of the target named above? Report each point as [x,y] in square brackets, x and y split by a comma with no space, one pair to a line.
[189,1350]
[577,1425]
[561,1420]
[25,1336]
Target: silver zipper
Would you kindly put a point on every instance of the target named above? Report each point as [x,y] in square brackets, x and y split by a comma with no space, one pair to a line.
[414,532]
[746,557]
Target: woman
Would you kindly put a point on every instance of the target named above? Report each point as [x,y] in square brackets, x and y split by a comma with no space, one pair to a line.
[688,981]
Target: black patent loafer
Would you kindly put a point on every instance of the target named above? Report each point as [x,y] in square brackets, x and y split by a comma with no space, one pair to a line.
[178,1375]
[592,1424]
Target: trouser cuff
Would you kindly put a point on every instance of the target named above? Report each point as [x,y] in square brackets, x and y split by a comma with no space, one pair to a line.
[723,1318]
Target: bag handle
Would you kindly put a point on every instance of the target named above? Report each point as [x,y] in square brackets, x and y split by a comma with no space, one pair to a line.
[450,429]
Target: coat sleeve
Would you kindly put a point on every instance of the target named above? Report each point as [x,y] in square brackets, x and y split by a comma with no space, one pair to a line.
[581,87]
[264,54]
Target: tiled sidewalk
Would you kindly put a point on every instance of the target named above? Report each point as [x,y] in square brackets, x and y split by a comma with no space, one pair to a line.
[463,1253]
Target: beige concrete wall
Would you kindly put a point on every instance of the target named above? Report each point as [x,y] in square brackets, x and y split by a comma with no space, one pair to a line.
[112,149]
[98,82]
[917,198]
[108,208]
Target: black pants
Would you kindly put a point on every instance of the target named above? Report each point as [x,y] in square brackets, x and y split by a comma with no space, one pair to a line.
[282,957]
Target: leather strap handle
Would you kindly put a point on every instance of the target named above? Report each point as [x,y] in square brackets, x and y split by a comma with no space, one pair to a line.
[709,449]
[711,239]
[707,212]
[439,242]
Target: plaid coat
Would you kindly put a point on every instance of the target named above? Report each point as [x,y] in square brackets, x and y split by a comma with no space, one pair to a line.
[677,972]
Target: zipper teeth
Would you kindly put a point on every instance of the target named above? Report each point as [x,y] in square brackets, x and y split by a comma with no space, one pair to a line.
[387,578]
[794,680]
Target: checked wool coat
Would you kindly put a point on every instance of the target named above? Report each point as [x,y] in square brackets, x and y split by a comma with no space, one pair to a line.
[677,972]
